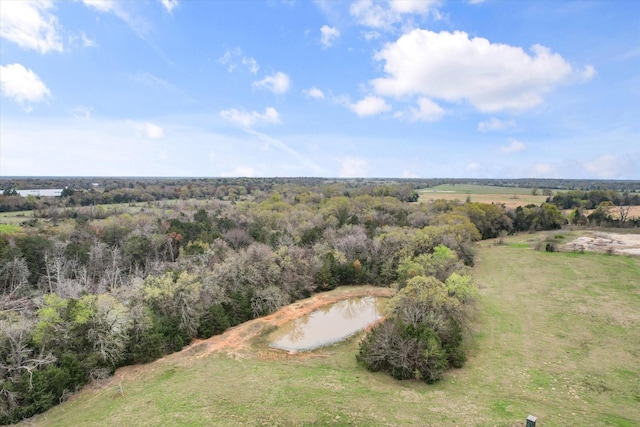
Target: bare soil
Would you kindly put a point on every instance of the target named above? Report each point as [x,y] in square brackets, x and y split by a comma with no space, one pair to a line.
[240,337]
[614,243]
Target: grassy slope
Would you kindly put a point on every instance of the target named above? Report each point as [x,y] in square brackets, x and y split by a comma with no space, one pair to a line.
[558,336]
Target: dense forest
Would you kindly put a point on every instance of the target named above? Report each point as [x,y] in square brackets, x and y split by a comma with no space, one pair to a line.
[85,288]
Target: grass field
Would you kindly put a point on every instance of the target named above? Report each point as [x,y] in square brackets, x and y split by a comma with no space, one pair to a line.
[512,197]
[556,335]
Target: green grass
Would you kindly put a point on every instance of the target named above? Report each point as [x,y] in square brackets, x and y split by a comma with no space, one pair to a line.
[15,218]
[556,335]
[10,229]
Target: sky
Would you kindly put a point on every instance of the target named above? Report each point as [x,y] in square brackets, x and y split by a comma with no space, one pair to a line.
[393,88]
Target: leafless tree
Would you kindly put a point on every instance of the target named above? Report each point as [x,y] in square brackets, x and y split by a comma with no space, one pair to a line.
[13,280]
[16,356]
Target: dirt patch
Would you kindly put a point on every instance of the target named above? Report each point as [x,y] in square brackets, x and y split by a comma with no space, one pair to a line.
[614,243]
[239,337]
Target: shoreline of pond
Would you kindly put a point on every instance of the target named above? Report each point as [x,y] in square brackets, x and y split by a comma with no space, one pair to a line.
[241,337]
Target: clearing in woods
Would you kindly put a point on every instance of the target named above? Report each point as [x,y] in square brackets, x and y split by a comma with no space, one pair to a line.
[555,335]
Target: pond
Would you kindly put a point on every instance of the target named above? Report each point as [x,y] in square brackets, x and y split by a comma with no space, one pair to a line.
[329,324]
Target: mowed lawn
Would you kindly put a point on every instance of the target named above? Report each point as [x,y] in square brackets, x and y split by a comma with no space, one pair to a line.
[556,335]
[511,197]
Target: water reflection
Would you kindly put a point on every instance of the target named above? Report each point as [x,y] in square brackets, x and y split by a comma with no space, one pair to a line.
[328,324]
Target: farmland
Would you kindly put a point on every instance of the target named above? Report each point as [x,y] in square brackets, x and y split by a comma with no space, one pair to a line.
[511,197]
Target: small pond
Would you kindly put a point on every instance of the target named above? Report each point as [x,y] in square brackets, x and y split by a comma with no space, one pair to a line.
[329,324]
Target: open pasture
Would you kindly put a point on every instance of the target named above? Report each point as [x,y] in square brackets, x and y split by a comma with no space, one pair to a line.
[511,197]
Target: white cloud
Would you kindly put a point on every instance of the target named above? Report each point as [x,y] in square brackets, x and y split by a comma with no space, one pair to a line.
[495,124]
[232,58]
[148,130]
[249,119]
[313,92]
[87,42]
[369,106]
[328,35]
[427,111]
[169,5]
[383,15]
[587,74]
[82,112]
[30,25]
[370,35]
[153,131]
[136,23]
[605,166]
[277,83]
[251,64]
[513,147]
[454,67]
[353,167]
[22,84]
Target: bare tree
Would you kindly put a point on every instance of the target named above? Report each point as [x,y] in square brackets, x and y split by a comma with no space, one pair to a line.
[623,211]
[13,279]
[16,356]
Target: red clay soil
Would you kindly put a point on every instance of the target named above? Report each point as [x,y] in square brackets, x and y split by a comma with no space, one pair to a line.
[240,337]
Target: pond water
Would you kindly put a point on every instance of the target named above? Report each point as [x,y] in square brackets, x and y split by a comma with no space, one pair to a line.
[329,324]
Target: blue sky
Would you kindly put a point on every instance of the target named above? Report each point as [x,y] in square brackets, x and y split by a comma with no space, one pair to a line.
[487,89]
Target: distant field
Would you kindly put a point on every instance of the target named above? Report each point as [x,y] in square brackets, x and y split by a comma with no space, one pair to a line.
[15,217]
[512,197]
[556,335]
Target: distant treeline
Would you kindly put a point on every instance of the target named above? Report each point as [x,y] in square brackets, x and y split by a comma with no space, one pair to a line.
[95,191]
[592,199]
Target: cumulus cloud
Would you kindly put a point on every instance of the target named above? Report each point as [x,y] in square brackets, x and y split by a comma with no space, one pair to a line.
[249,119]
[383,15]
[169,5]
[513,147]
[453,67]
[22,84]
[370,106]
[328,35]
[353,167]
[277,83]
[494,124]
[313,92]
[427,111]
[30,25]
